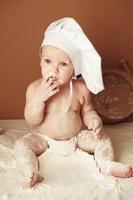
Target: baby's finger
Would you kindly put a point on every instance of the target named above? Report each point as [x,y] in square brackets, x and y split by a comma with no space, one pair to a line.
[97,124]
[46,81]
[53,92]
[50,81]
[90,125]
[98,133]
[54,86]
[94,124]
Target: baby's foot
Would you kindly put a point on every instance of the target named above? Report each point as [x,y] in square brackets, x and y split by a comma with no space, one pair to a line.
[122,171]
[36,178]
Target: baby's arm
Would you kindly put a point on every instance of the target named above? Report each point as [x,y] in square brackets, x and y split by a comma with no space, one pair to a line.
[90,117]
[37,94]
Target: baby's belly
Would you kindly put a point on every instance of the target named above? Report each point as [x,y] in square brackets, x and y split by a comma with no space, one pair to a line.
[61,126]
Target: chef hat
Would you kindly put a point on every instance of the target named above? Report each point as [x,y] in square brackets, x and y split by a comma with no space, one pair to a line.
[67,35]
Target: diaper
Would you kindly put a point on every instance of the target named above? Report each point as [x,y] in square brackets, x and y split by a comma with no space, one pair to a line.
[62,147]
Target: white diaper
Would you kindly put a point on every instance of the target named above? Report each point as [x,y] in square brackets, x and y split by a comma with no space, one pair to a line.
[62,147]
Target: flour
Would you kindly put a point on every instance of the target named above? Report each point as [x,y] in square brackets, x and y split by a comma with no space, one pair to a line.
[73,177]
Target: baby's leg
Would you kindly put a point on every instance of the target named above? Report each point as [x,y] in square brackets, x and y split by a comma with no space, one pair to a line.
[86,141]
[104,155]
[26,151]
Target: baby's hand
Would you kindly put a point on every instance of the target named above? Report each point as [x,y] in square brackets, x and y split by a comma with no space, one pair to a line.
[47,88]
[96,125]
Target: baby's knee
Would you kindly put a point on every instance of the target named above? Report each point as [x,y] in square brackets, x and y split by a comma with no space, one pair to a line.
[86,142]
[33,142]
[20,144]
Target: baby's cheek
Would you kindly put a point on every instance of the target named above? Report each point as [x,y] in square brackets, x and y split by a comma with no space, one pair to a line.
[65,78]
[44,73]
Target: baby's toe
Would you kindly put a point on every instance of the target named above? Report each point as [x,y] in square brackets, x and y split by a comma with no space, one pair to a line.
[36,179]
[28,182]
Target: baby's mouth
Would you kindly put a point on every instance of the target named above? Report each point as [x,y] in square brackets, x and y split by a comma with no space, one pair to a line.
[51,75]
[54,77]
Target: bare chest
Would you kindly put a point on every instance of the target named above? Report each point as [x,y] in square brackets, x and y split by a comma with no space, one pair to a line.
[62,100]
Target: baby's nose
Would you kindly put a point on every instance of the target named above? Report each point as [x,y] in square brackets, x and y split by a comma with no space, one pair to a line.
[55,67]
[54,71]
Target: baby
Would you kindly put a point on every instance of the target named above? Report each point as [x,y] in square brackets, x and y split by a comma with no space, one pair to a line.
[58,104]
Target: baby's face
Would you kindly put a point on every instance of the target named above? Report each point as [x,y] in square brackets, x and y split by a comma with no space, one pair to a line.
[56,63]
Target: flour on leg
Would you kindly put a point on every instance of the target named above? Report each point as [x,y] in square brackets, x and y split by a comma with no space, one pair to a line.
[27,150]
[104,157]
[121,170]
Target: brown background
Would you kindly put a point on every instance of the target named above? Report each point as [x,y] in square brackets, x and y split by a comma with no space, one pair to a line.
[108,24]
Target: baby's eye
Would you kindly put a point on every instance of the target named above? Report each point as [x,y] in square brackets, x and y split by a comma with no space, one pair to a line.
[63,64]
[47,60]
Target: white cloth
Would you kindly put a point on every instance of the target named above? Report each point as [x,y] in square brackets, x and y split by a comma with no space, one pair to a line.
[63,147]
[67,35]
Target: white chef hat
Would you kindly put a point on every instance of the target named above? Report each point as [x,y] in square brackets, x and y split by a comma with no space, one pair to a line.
[67,35]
